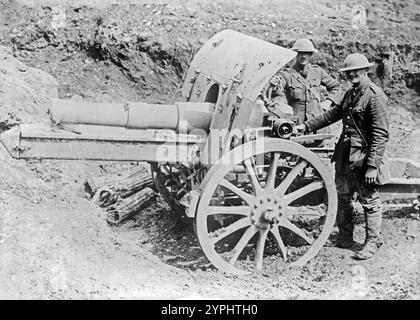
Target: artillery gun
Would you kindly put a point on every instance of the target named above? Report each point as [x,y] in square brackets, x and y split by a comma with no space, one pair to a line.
[257,193]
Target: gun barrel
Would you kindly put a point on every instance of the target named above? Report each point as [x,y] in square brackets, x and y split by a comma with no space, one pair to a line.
[180,116]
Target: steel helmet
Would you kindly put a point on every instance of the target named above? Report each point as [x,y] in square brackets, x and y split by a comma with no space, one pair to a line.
[355,61]
[304,45]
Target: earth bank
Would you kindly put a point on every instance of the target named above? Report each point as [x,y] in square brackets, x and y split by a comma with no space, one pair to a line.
[55,244]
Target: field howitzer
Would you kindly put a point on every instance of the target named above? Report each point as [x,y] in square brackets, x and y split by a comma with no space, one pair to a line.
[256,191]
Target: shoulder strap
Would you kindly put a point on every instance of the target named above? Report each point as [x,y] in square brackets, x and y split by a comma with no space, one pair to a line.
[373,87]
[356,98]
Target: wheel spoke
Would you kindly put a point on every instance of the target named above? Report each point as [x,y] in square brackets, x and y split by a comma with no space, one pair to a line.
[248,234]
[166,169]
[231,229]
[281,174]
[259,254]
[271,176]
[236,210]
[297,169]
[279,241]
[290,211]
[287,224]
[254,178]
[242,194]
[290,197]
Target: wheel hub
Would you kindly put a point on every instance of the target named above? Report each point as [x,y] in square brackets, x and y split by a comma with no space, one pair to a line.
[266,211]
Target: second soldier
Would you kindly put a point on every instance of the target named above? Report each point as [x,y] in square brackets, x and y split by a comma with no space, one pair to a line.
[300,85]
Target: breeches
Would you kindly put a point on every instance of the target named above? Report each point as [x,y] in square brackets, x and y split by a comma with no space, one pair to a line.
[351,186]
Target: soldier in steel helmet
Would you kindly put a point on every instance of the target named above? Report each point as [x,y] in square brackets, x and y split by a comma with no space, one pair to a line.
[359,153]
[300,85]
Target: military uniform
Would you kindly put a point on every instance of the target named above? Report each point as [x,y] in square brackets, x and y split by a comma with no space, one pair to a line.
[358,147]
[302,90]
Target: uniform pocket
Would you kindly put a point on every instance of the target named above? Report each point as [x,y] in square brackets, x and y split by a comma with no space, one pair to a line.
[358,152]
[297,93]
[315,92]
[384,172]
[341,152]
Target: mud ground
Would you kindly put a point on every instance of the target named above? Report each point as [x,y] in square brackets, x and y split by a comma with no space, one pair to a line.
[55,243]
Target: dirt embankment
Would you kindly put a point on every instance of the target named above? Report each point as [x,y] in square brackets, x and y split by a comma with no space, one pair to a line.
[141,52]
[55,244]
[25,91]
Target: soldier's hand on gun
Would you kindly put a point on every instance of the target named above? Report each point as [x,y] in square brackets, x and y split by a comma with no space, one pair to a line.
[325,105]
[299,129]
[370,175]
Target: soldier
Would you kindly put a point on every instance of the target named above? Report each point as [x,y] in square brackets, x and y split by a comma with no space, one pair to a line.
[301,85]
[359,153]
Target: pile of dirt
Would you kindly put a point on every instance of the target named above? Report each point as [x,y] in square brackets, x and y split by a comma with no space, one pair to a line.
[25,92]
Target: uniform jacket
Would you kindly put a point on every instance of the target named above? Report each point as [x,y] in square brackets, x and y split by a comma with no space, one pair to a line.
[363,140]
[303,92]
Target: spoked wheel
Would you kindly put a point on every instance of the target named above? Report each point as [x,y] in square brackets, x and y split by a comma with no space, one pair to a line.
[174,181]
[171,182]
[281,208]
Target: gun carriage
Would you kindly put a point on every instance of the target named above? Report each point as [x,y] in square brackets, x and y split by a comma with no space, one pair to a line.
[256,191]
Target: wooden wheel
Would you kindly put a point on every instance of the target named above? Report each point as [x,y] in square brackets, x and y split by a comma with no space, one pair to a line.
[174,181]
[171,182]
[283,203]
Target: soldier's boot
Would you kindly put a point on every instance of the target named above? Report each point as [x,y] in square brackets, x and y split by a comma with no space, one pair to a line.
[345,229]
[345,212]
[345,242]
[373,218]
[345,223]
[370,248]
